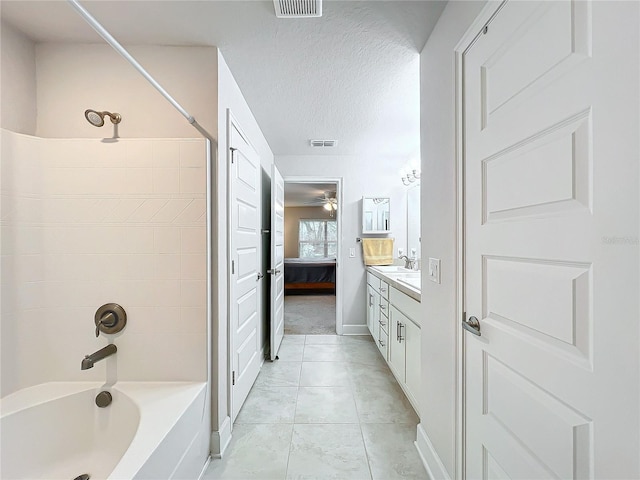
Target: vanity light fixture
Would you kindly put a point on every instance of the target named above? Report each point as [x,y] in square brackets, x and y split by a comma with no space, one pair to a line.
[411,177]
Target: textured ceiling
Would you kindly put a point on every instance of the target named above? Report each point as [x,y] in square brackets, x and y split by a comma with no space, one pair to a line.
[351,75]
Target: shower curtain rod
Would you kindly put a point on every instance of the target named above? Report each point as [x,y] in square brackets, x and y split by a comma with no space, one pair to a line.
[127,56]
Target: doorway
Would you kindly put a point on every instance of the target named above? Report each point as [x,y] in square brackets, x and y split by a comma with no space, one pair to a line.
[312,250]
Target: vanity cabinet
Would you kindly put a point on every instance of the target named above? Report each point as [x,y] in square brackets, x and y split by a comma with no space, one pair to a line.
[378,312]
[404,353]
[392,318]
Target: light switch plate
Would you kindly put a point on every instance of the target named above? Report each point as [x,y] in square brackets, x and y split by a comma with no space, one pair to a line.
[434,270]
[352,252]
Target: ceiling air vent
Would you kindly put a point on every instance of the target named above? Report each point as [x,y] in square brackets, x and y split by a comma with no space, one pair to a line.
[298,8]
[323,143]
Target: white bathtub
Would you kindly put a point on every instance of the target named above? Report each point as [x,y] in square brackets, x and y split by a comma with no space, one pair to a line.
[150,431]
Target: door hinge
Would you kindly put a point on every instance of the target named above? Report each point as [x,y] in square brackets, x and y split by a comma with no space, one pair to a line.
[233,377]
[233,267]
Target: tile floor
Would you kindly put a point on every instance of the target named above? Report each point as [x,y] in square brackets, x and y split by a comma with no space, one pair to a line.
[328,409]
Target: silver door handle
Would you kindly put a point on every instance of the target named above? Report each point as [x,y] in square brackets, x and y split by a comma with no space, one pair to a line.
[273,271]
[472,325]
[400,337]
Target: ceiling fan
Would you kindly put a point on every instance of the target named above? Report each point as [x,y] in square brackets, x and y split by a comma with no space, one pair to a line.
[328,201]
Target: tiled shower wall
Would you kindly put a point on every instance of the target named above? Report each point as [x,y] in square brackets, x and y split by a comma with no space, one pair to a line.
[85,222]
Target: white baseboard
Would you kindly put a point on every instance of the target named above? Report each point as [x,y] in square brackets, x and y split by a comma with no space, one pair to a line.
[355,330]
[220,439]
[430,459]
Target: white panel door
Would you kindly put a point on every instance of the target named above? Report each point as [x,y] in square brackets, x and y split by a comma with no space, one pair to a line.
[550,98]
[277,261]
[245,238]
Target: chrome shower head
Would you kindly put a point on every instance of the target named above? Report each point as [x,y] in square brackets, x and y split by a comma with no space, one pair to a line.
[97,118]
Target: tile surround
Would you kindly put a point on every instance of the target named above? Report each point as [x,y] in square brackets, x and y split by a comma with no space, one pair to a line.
[85,223]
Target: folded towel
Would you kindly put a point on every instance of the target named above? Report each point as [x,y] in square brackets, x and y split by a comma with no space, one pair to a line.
[377,251]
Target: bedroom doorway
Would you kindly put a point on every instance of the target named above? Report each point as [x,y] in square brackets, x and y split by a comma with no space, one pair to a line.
[312,222]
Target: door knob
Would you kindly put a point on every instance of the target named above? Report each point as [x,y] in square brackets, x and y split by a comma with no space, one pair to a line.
[260,275]
[472,325]
[273,271]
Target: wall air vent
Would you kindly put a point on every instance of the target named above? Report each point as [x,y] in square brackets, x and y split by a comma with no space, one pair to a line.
[323,143]
[298,8]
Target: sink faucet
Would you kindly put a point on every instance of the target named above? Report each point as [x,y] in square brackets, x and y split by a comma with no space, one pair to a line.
[89,360]
[408,262]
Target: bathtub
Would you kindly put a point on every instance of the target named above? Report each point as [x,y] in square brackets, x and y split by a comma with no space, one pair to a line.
[150,431]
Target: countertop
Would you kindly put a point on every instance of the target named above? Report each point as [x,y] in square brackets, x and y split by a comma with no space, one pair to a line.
[405,280]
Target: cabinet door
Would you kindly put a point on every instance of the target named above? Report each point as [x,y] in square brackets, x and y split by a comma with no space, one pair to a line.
[373,312]
[412,359]
[397,321]
[370,315]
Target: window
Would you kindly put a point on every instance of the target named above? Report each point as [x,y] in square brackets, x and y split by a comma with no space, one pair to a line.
[317,238]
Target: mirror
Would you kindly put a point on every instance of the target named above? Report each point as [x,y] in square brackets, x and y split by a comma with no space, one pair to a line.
[413,221]
[376,215]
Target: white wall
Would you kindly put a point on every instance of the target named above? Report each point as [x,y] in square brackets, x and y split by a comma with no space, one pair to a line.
[439,227]
[18,80]
[292,216]
[362,176]
[86,223]
[230,98]
[73,78]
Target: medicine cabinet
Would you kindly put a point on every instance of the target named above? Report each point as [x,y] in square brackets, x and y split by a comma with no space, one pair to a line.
[376,213]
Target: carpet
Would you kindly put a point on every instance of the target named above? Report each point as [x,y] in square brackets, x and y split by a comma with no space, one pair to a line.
[309,314]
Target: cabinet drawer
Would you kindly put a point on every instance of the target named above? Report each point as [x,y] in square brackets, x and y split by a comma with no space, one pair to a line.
[384,289]
[406,304]
[383,322]
[384,307]
[383,343]
[373,281]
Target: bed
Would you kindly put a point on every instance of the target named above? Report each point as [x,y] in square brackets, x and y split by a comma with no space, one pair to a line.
[309,275]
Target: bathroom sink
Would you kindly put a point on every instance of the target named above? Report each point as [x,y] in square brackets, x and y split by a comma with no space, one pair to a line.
[391,269]
[408,274]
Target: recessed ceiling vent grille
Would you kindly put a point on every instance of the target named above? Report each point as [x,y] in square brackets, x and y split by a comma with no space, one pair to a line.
[323,143]
[298,8]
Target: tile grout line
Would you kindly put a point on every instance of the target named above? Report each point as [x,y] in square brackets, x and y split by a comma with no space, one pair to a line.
[293,425]
[364,444]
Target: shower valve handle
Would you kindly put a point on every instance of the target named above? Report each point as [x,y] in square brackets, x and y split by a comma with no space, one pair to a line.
[110,318]
[107,320]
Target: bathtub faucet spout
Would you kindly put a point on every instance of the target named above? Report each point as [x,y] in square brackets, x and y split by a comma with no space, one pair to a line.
[89,360]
